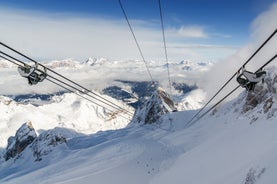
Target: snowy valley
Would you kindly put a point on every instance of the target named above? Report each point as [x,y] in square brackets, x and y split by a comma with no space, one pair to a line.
[38,127]
[105,115]
[60,138]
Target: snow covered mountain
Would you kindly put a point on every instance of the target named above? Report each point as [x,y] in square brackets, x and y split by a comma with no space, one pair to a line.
[159,104]
[122,80]
[66,111]
[128,64]
[236,143]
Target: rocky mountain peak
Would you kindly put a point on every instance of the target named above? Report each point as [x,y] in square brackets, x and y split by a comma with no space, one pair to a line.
[27,139]
[46,143]
[24,136]
[152,109]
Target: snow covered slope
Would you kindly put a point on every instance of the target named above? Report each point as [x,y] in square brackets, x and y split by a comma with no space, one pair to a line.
[66,111]
[233,144]
[159,104]
[191,101]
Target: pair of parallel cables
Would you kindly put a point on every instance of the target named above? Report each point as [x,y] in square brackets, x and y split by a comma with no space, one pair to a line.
[193,120]
[70,85]
[139,48]
[66,83]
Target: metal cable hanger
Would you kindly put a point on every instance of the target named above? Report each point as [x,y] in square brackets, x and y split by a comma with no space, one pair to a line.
[63,84]
[211,108]
[262,45]
[103,100]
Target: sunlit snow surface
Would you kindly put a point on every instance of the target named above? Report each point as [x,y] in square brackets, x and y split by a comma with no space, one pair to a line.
[226,146]
[221,148]
[67,111]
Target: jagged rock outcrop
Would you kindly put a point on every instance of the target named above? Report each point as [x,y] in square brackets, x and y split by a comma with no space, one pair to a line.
[5,100]
[24,136]
[39,146]
[152,109]
[254,175]
[263,94]
[45,143]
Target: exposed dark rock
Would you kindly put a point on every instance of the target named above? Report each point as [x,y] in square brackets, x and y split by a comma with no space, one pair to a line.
[152,109]
[45,143]
[35,99]
[24,136]
[139,91]
[262,94]
[119,94]
[183,87]
[253,176]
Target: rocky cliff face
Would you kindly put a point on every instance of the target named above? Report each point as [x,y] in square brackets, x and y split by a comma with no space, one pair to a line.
[45,143]
[24,136]
[264,94]
[27,140]
[152,109]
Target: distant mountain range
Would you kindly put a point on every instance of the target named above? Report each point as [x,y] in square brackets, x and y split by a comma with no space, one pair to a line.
[71,63]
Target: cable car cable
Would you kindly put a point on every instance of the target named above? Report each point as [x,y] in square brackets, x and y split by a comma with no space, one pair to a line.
[264,43]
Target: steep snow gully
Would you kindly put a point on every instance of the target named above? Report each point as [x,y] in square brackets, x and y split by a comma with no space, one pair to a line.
[236,143]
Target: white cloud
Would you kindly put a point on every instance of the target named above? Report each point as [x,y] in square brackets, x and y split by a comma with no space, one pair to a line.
[192,32]
[203,52]
[203,46]
[261,28]
[221,35]
[265,23]
[100,76]
[60,37]
[45,36]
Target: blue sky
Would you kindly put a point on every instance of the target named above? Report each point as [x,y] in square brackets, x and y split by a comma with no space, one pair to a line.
[198,24]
